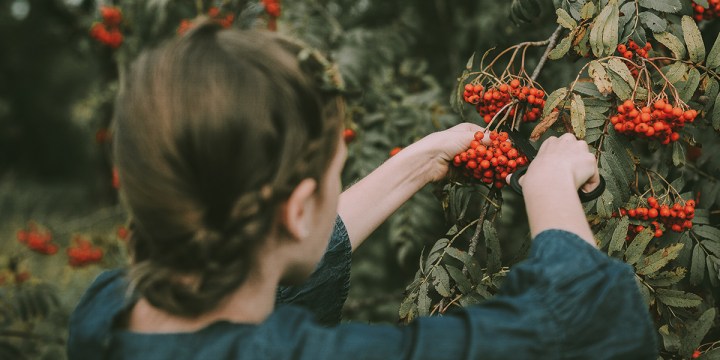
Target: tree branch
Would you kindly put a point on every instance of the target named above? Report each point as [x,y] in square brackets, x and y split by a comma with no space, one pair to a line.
[551,45]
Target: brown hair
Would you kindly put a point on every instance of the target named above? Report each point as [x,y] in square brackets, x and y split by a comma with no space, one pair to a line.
[212,131]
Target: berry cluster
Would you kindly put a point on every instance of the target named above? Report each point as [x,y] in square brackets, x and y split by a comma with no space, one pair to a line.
[108,31]
[488,102]
[633,50]
[700,13]
[490,163]
[660,122]
[272,8]
[37,240]
[213,13]
[676,217]
[83,253]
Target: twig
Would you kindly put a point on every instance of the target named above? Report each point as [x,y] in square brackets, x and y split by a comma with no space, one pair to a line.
[551,44]
[701,172]
[481,220]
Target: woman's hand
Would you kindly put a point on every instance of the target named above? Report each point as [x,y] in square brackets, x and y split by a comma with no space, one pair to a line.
[563,157]
[440,148]
[550,186]
[365,205]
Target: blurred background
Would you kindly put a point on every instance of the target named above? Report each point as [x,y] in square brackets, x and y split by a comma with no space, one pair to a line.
[401,60]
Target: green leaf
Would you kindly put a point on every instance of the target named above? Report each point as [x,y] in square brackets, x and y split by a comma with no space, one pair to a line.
[587,88]
[678,155]
[691,85]
[470,62]
[604,235]
[711,92]
[408,306]
[424,301]
[693,40]
[701,217]
[657,260]
[672,42]
[441,281]
[716,113]
[667,6]
[493,247]
[462,282]
[697,267]
[464,257]
[645,292]
[636,248]
[577,116]
[596,33]
[588,10]
[712,246]
[713,58]
[677,298]
[671,341]
[627,12]
[712,266]
[605,205]
[713,354]
[600,77]
[618,66]
[594,123]
[674,72]
[666,278]
[707,232]
[561,49]
[621,88]
[470,263]
[653,22]
[554,100]
[524,10]
[610,31]
[565,20]
[618,237]
[434,253]
[696,332]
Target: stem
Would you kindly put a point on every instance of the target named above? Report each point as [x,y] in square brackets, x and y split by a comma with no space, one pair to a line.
[480,221]
[703,68]
[675,93]
[701,172]
[522,44]
[551,44]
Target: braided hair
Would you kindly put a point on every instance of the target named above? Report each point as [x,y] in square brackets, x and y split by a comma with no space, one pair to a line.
[213,131]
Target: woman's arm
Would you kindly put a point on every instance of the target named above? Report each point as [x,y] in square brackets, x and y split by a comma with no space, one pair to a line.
[550,186]
[366,205]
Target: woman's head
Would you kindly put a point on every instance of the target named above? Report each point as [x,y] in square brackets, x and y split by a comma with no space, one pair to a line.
[213,133]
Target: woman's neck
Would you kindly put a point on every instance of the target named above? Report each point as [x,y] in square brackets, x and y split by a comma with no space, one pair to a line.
[252,303]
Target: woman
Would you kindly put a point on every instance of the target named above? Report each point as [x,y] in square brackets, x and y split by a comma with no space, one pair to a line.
[229,155]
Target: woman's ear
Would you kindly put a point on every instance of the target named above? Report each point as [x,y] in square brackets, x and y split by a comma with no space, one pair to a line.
[297,215]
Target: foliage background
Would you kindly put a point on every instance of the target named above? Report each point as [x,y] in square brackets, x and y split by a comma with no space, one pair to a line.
[402,58]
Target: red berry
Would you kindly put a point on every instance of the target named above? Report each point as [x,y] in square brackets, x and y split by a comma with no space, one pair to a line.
[348,135]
